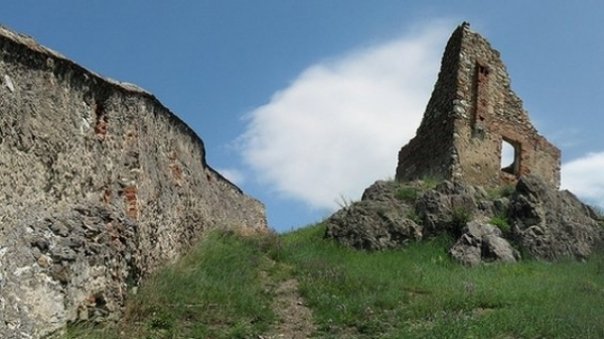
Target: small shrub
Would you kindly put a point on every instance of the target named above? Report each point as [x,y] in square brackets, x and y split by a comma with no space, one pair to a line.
[430,182]
[344,202]
[412,215]
[504,191]
[161,320]
[406,194]
[501,221]
[459,219]
[507,191]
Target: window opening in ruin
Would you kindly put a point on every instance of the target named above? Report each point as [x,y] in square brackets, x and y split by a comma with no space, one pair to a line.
[483,70]
[510,156]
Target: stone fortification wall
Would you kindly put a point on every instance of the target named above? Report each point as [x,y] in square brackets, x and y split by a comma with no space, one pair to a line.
[471,112]
[99,185]
[431,153]
[492,113]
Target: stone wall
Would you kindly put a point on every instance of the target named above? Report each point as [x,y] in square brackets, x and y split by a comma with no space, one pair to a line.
[492,113]
[99,185]
[476,111]
[431,153]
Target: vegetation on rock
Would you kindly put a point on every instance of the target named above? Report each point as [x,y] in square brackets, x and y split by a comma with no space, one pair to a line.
[501,221]
[541,221]
[407,194]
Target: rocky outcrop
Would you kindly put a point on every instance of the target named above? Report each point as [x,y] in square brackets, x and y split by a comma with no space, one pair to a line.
[551,224]
[378,221]
[482,243]
[447,206]
[99,185]
[533,218]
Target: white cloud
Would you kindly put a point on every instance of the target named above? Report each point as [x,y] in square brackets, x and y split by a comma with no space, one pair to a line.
[233,175]
[584,177]
[339,125]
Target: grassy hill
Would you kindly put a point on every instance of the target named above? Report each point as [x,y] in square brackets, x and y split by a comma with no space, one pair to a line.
[232,286]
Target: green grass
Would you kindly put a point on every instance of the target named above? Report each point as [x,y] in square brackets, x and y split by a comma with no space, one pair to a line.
[459,218]
[406,194]
[501,221]
[225,287]
[217,291]
[504,191]
[412,215]
[420,293]
[430,182]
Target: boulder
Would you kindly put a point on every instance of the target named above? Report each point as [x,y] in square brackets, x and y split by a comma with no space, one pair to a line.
[377,222]
[550,224]
[482,242]
[440,209]
[381,190]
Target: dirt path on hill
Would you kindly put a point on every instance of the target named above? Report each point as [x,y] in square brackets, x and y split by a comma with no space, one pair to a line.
[294,320]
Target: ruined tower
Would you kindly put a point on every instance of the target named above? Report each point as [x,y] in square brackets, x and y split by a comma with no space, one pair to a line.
[471,113]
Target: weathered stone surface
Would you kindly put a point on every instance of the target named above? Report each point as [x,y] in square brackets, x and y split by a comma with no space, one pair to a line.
[551,224]
[99,185]
[547,223]
[439,208]
[377,222]
[50,277]
[482,242]
[471,112]
[498,249]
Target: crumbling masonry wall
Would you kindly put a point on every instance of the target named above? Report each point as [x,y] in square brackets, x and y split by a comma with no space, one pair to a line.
[99,184]
[431,152]
[471,112]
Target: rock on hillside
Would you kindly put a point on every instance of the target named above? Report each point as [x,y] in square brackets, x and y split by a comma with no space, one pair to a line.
[533,217]
[551,224]
[378,221]
[99,185]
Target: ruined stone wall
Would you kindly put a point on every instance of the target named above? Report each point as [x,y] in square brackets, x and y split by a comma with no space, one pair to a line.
[471,110]
[99,185]
[492,113]
[430,153]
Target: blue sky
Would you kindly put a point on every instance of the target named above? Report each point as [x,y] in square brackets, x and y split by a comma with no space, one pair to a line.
[305,103]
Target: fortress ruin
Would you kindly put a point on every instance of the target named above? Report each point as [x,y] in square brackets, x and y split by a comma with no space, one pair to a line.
[472,112]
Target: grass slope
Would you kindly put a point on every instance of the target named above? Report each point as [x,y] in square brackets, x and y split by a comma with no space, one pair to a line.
[224,289]
[216,291]
[419,292]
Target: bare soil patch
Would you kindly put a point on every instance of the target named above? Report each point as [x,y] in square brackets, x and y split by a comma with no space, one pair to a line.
[294,318]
